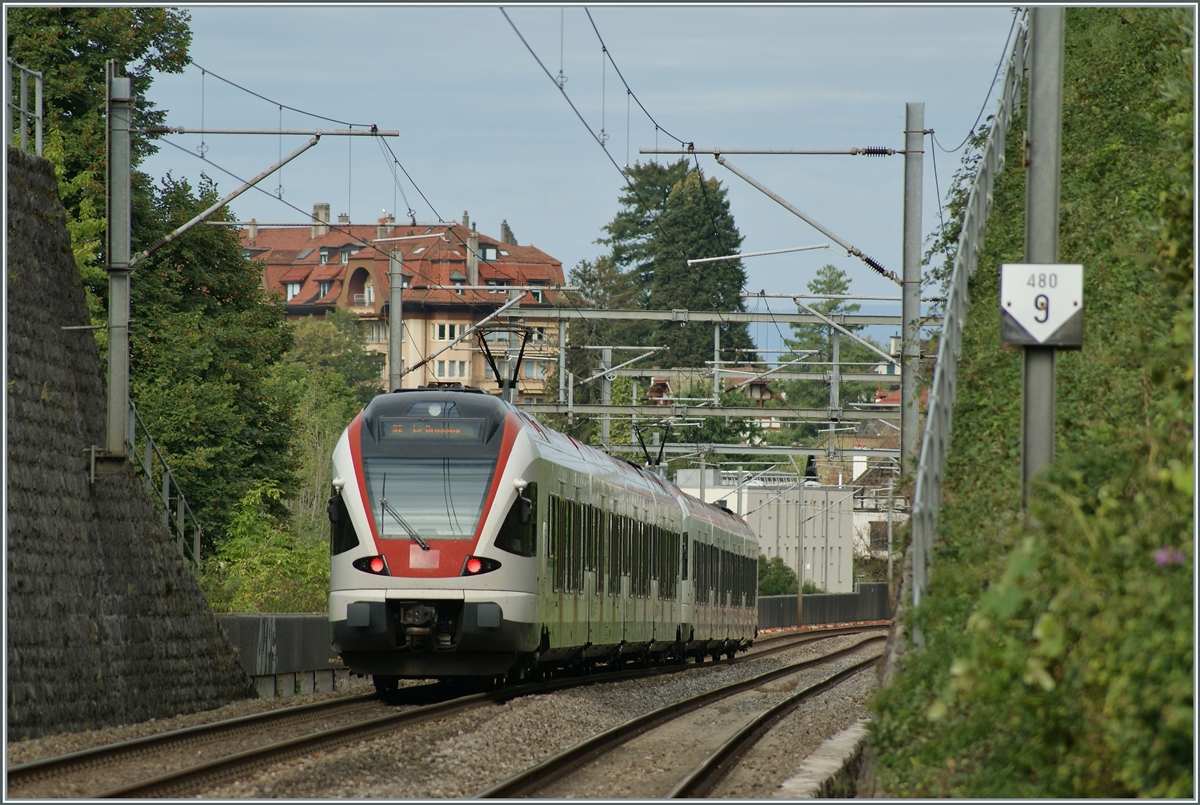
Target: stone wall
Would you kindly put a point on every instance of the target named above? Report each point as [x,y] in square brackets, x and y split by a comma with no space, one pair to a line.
[106,623]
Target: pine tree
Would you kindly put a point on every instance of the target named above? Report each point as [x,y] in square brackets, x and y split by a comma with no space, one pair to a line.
[812,351]
[671,215]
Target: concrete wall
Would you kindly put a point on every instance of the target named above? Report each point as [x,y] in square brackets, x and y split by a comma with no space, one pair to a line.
[286,654]
[870,603]
[105,623]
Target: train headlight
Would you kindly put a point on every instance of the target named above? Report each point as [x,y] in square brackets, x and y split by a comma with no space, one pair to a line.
[372,564]
[477,565]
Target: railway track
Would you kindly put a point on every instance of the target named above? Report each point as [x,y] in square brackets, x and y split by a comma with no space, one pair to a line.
[555,776]
[180,762]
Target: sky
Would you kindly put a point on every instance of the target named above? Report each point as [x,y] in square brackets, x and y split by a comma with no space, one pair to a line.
[484,128]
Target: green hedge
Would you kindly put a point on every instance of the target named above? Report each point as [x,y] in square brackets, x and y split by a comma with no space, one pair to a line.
[1060,654]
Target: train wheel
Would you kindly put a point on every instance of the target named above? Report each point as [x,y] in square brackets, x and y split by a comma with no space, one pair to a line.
[385,684]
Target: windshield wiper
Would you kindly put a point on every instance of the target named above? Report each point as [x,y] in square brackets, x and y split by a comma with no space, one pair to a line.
[387,507]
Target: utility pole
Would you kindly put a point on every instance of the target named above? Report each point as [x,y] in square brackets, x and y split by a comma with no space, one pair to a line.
[606,395]
[396,319]
[716,365]
[1041,227]
[910,301]
[120,103]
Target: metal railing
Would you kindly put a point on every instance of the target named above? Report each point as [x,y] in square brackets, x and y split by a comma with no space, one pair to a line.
[166,489]
[927,494]
[19,109]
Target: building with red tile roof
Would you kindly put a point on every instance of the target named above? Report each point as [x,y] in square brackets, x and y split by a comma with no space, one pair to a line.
[453,278]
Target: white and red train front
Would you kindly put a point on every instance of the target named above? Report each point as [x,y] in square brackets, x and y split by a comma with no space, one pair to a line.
[433,570]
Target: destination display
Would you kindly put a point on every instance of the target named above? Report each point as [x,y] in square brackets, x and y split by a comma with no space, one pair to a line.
[413,429]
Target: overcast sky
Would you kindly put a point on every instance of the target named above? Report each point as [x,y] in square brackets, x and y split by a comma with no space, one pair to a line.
[483,128]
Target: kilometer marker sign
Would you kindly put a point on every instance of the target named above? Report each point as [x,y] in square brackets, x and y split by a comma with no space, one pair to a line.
[1041,305]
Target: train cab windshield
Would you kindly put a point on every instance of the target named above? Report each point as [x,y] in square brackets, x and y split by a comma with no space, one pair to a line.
[439,498]
[428,461]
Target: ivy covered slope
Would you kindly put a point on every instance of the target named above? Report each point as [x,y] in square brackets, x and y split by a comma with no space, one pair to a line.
[1060,653]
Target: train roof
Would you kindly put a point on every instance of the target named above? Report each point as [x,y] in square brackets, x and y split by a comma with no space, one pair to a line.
[475,402]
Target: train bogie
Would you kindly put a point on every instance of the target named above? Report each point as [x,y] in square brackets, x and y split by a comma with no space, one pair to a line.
[503,546]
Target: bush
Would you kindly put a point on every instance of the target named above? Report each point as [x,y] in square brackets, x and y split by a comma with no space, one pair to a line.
[263,567]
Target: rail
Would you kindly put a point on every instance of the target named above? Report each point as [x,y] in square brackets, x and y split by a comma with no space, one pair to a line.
[21,107]
[167,488]
[927,494]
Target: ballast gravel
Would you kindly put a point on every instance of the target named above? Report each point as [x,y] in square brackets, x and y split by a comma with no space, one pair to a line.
[470,752]
[467,753]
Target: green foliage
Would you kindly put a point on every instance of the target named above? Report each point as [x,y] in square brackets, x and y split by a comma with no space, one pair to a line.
[261,567]
[1060,653]
[204,337]
[336,343]
[812,346]
[322,406]
[86,225]
[70,46]
[671,215]
[776,578]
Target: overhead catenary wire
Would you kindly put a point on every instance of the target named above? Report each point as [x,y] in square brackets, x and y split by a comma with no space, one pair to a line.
[276,103]
[991,87]
[672,241]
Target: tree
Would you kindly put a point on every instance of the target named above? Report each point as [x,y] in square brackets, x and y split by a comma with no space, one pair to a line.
[70,46]
[204,336]
[812,349]
[336,343]
[775,578]
[328,376]
[670,215]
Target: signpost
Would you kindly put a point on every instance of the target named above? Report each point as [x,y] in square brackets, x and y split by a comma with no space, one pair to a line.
[1041,305]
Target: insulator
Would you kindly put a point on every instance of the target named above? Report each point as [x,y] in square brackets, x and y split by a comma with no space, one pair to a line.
[875,265]
[878,151]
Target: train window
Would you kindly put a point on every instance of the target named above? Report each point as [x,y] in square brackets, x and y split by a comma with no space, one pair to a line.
[515,536]
[683,567]
[601,543]
[655,550]
[576,546]
[555,546]
[342,536]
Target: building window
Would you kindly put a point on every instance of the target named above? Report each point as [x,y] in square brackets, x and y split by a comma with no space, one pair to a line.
[324,255]
[325,286]
[538,297]
[497,286]
[441,369]
[378,332]
[345,255]
[535,370]
[539,334]
[487,252]
[292,288]
[497,335]
[462,369]
[447,332]
[458,285]
[488,374]
[369,294]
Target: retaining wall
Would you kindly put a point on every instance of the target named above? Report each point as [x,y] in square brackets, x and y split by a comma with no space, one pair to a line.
[106,624]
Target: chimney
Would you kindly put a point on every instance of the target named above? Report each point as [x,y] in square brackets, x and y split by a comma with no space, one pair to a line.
[253,228]
[466,220]
[506,234]
[343,218]
[386,226]
[473,258]
[320,220]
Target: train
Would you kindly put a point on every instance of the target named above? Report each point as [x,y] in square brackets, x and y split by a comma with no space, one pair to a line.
[468,540]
